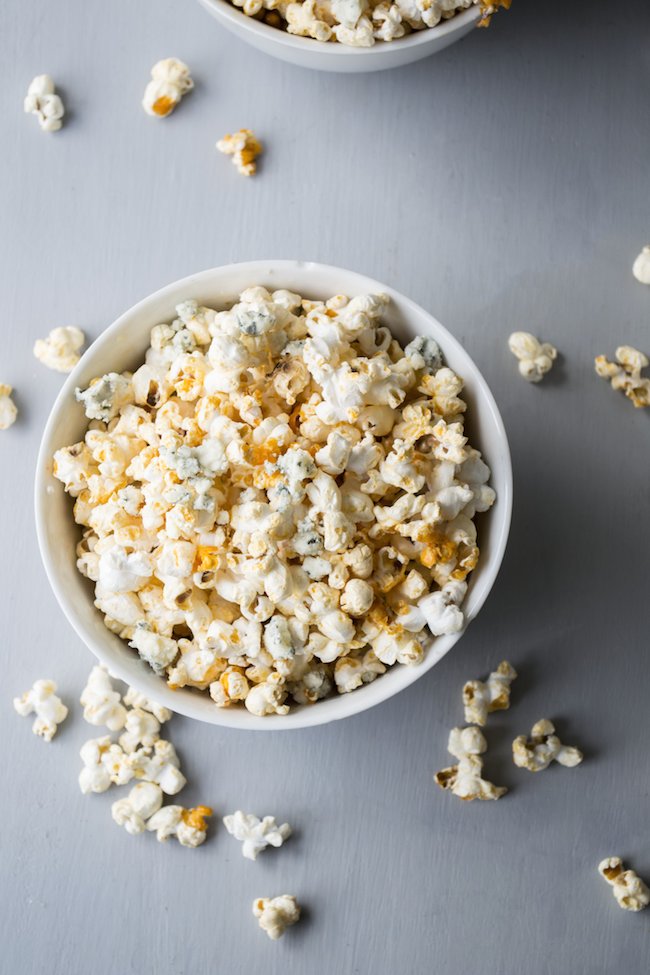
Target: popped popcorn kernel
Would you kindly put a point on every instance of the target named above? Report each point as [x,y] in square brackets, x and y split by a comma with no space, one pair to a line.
[625,374]
[641,266]
[42,701]
[630,891]
[542,748]
[101,702]
[535,358]
[256,834]
[8,410]
[480,699]
[276,914]
[43,102]
[465,779]
[134,810]
[170,80]
[61,349]
[244,149]
[189,826]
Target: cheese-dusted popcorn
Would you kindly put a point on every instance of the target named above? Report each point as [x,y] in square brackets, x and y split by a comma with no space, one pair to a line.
[61,349]
[244,149]
[465,779]
[535,358]
[43,102]
[170,80]
[641,266]
[8,411]
[49,709]
[360,23]
[134,810]
[625,374]
[256,834]
[481,698]
[102,704]
[189,826]
[631,893]
[542,748]
[277,505]
[276,914]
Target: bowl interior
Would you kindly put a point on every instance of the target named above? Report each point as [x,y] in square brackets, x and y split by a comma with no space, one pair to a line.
[122,346]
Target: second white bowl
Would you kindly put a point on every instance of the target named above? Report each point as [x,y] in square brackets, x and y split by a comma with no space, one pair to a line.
[121,347]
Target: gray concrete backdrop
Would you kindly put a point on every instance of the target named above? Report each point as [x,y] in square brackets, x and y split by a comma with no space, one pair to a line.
[503,184]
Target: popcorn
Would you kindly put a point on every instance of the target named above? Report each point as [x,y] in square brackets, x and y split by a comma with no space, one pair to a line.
[134,699]
[626,374]
[542,748]
[61,349]
[101,702]
[256,834]
[464,779]
[276,914]
[244,148]
[275,506]
[489,8]
[142,802]
[641,266]
[44,103]
[8,411]
[157,763]
[170,80]
[480,699]
[187,825]
[42,701]
[105,764]
[535,358]
[630,891]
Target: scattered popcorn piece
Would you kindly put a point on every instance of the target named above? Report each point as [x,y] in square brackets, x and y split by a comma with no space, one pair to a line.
[244,148]
[101,702]
[626,374]
[641,266]
[158,763]
[42,701]
[630,891]
[142,802]
[489,8]
[61,349]
[542,748]
[535,358]
[187,825]
[170,80]
[134,699]
[256,834]
[44,103]
[464,780]
[8,411]
[105,764]
[480,699]
[140,728]
[276,914]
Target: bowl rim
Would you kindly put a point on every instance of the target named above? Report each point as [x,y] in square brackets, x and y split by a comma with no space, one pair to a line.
[237,18]
[344,705]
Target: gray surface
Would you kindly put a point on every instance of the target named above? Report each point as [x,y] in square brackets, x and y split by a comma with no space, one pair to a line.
[503,184]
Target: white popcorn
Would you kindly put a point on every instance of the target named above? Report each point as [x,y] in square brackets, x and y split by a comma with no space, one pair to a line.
[8,411]
[105,764]
[157,763]
[480,699]
[43,102]
[101,702]
[61,349]
[42,701]
[276,914]
[625,375]
[275,505]
[630,891]
[244,149]
[170,80]
[641,266]
[465,779]
[303,20]
[535,358]
[187,825]
[134,699]
[542,748]
[256,834]
[142,802]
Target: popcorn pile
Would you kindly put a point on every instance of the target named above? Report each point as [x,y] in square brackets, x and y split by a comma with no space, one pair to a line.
[139,754]
[361,23]
[279,501]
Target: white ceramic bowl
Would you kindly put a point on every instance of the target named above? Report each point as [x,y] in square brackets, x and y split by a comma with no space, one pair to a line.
[308,53]
[122,346]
